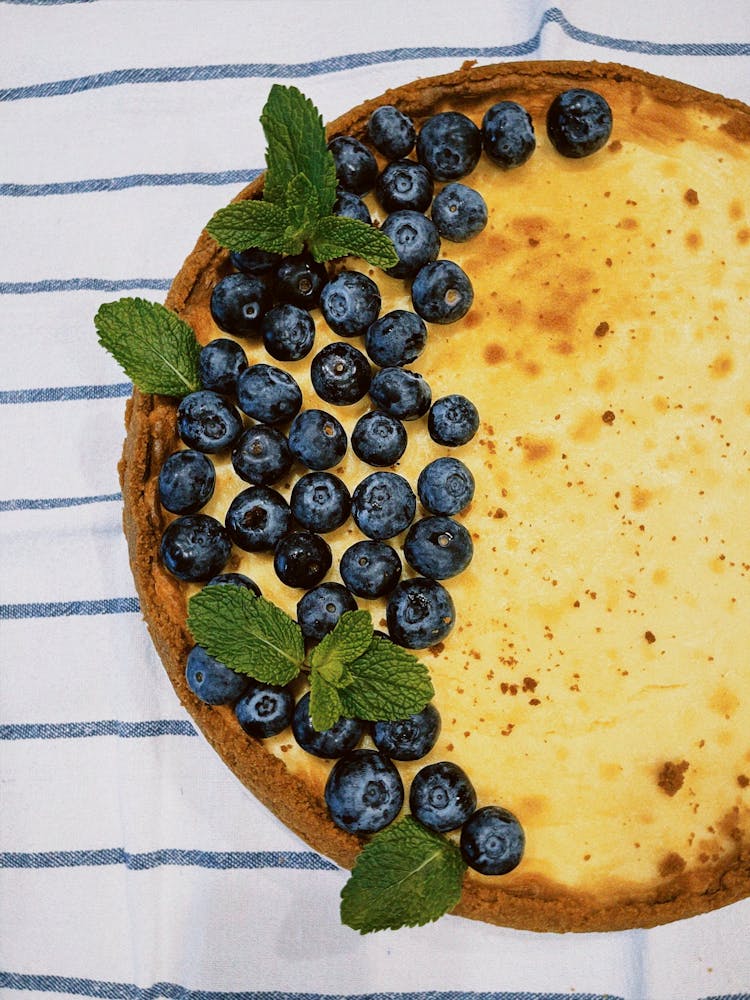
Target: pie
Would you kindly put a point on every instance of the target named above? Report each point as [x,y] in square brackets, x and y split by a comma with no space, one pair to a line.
[597,680]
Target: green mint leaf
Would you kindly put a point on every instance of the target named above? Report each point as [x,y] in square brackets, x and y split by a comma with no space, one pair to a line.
[350,638]
[325,704]
[245,224]
[387,683]
[405,876]
[296,144]
[155,348]
[336,236]
[247,633]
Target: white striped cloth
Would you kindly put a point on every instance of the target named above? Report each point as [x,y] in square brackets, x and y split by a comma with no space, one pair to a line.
[132,864]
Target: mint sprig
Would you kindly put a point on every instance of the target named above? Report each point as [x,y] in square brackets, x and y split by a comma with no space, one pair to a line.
[406,876]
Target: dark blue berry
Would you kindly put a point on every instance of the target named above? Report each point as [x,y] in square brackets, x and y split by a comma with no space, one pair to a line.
[449,144]
[261,455]
[211,680]
[441,292]
[301,559]
[317,439]
[350,302]
[453,420]
[320,502]
[319,609]
[299,280]
[364,792]
[438,547]
[351,206]
[508,134]
[186,482]
[340,374]
[219,365]
[340,739]
[378,438]
[401,392]
[235,580]
[207,422]
[238,303]
[492,841]
[356,167]
[579,122]
[411,738]
[404,184]
[419,613]
[441,796]
[268,394]
[288,332]
[257,518]
[415,239]
[255,261]
[370,569]
[264,710]
[459,212]
[195,547]
[395,339]
[383,505]
[391,132]
[445,486]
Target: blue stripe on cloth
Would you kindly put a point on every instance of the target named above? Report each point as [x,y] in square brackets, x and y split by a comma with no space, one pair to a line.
[146,860]
[82,285]
[101,727]
[98,184]
[56,503]
[66,393]
[356,60]
[65,609]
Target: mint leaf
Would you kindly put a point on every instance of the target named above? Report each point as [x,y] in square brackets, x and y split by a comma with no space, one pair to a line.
[325,704]
[405,876]
[245,224]
[387,683]
[303,208]
[155,348]
[247,633]
[336,236]
[350,638]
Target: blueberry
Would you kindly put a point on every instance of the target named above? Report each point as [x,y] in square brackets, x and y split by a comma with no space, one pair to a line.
[441,292]
[459,212]
[238,303]
[264,710]
[186,482]
[340,374]
[438,547]
[579,122]
[364,792]
[445,486]
[350,302]
[378,438]
[319,609]
[301,559]
[404,184]
[235,580]
[288,332]
[299,280]
[195,547]
[211,680]
[268,394]
[449,144]
[453,420]
[419,613]
[411,738]
[370,568]
[395,339]
[261,455]
[401,392]
[351,206]
[492,841]
[441,796]
[356,167]
[508,134]
[255,261]
[317,439]
[391,132]
[415,239]
[207,422]
[320,502]
[257,518]
[383,505]
[340,739]
[219,365]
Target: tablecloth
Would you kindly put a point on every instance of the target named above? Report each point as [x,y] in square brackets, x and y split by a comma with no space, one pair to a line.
[132,864]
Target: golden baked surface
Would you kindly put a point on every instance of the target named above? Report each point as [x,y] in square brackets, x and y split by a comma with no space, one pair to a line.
[597,680]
